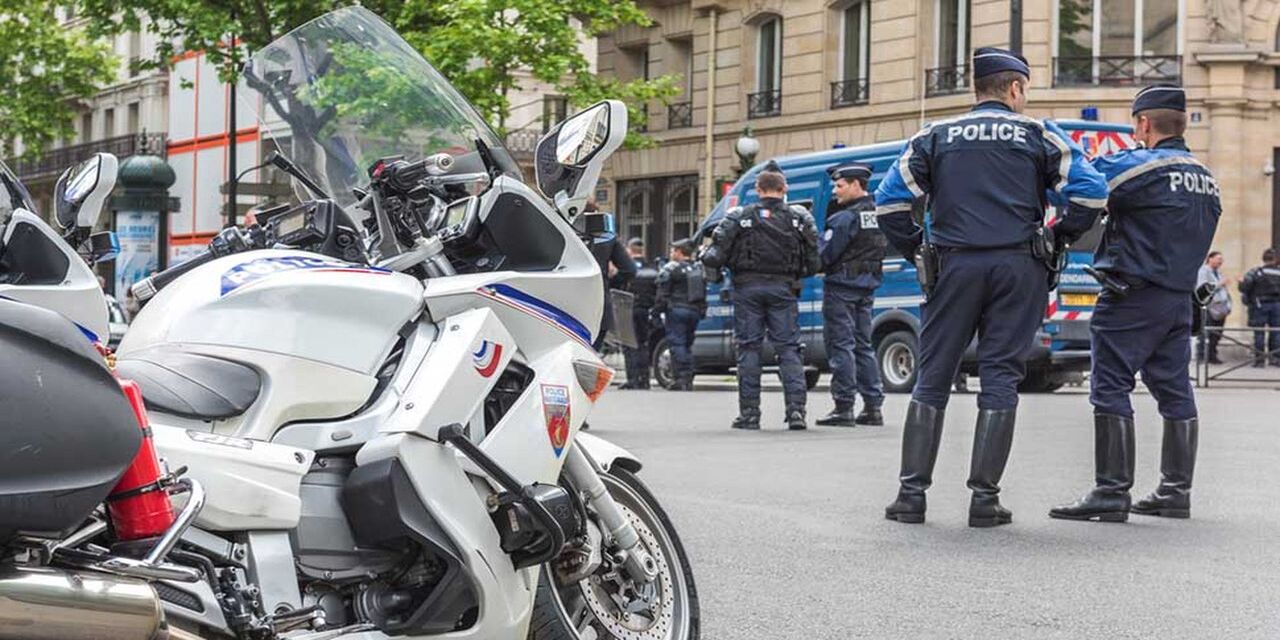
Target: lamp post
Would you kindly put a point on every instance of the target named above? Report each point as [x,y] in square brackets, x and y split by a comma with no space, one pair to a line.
[746,147]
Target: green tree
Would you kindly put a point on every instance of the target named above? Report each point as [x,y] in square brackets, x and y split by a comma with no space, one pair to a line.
[479,45]
[44,70]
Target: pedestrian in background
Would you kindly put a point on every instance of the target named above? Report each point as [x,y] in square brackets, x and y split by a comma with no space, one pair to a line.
[985,174]
[768,247]
[682,299]
[1219,306]
[616,267]
[1260,292]
[645,288]
[852,250]
[1162,213]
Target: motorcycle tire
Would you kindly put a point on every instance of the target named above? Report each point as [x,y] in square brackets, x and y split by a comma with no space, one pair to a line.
[551,620]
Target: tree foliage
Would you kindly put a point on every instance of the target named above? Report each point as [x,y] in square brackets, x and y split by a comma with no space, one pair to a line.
[45,69]
[483,47]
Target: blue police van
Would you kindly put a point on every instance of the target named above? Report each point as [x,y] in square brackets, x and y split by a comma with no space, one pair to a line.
[1061,351]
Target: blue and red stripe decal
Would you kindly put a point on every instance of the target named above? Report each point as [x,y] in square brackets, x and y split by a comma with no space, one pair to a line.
[541,309]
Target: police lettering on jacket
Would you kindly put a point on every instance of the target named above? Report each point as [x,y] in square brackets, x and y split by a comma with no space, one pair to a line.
[853,247]
[1162,214]
[988,176]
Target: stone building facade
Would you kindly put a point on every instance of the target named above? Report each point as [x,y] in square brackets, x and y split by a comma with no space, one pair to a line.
[807,75]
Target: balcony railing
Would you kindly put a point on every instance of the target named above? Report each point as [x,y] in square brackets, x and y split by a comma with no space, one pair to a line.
[54,161]
[764,104]
[1119,71]
[523,142]
[946,80]
[850,92]
[679,115]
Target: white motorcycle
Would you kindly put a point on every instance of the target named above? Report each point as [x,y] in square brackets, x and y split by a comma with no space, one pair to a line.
[381,389]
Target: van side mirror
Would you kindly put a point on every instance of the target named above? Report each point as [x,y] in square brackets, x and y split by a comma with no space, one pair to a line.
[568,159]
[82,191]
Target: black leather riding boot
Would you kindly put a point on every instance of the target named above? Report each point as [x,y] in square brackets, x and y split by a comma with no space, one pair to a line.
[921,436]
[1172,499]
[1113,462]
[992,439]
[841,416]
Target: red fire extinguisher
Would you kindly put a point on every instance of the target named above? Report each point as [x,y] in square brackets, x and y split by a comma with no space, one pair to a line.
[139,504]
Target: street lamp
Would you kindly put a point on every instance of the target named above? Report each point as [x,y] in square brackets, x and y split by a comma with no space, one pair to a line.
[747,147]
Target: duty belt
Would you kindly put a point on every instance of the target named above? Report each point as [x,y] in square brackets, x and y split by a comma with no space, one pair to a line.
[1021,247]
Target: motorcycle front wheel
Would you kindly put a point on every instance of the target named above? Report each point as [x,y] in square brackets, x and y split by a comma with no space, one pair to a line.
[606,606]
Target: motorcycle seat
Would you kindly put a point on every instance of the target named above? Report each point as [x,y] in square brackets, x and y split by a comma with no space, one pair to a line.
[191,385]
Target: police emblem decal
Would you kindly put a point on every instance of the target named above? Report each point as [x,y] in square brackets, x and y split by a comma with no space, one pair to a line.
[486,358]
[555,409]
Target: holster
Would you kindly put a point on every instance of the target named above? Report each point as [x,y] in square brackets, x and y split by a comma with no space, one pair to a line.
[1046,248]
[928,266]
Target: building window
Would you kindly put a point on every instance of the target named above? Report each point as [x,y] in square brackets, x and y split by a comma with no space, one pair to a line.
[853,87]
[1118,42]
[86,127]
[108,123]
[951,48]
[135,52]
[1278,74]
[767,99]
[680,113]
[683,211]
[554,110]
[134,117]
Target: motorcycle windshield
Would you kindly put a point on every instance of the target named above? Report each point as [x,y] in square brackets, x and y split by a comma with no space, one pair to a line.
[345,90]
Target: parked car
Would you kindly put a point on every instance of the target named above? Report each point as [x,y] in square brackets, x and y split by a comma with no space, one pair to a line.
[1061,350]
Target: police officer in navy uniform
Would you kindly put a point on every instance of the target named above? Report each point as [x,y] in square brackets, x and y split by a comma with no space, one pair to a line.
[682,301]
[768,248]
[986,175]
[645,289]
[852,250]
[1162,214]
[1260,290]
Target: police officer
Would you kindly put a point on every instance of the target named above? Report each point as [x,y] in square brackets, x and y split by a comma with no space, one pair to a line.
[985,174]
[645,288]
[1260,289]
[682,299]
[852,250]
[768,247]
[1162,214]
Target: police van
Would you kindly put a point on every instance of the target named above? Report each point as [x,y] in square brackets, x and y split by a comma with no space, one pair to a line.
[1060,353]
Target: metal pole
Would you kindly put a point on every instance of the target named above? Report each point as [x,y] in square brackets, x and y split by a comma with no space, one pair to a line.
[1015,25]
[231,152]
[709,181]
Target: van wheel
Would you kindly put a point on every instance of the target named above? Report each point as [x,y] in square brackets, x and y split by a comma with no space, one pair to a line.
[663,369]
[897,355]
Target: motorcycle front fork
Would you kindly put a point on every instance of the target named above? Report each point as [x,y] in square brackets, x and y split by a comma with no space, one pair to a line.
[626,547]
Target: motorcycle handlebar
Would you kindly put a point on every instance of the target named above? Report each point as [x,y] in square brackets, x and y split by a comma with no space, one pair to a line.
[148,287]
[227,242]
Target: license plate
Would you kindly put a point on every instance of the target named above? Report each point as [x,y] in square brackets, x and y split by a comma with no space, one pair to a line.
[1079,299]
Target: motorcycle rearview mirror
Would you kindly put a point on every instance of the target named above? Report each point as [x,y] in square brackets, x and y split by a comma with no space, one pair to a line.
[82,191]
[569,158]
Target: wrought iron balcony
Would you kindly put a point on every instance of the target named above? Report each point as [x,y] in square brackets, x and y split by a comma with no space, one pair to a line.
[764,104]
[679,115]
[1117,71]
[850,92]
[946,80]
[55,161]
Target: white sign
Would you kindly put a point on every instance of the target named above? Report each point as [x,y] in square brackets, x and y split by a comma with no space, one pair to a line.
[139,235]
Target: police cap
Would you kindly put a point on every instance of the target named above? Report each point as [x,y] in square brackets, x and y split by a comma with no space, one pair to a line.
[851,171]
[635,242]
[1160,96]
[990,60]
[683,244]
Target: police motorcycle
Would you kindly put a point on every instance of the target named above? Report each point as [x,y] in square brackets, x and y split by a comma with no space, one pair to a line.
[381,388]
[86,523]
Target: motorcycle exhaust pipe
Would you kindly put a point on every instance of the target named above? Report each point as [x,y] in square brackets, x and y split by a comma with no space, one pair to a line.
[50,604]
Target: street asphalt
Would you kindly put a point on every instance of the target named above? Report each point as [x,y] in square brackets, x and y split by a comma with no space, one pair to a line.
[788,538]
